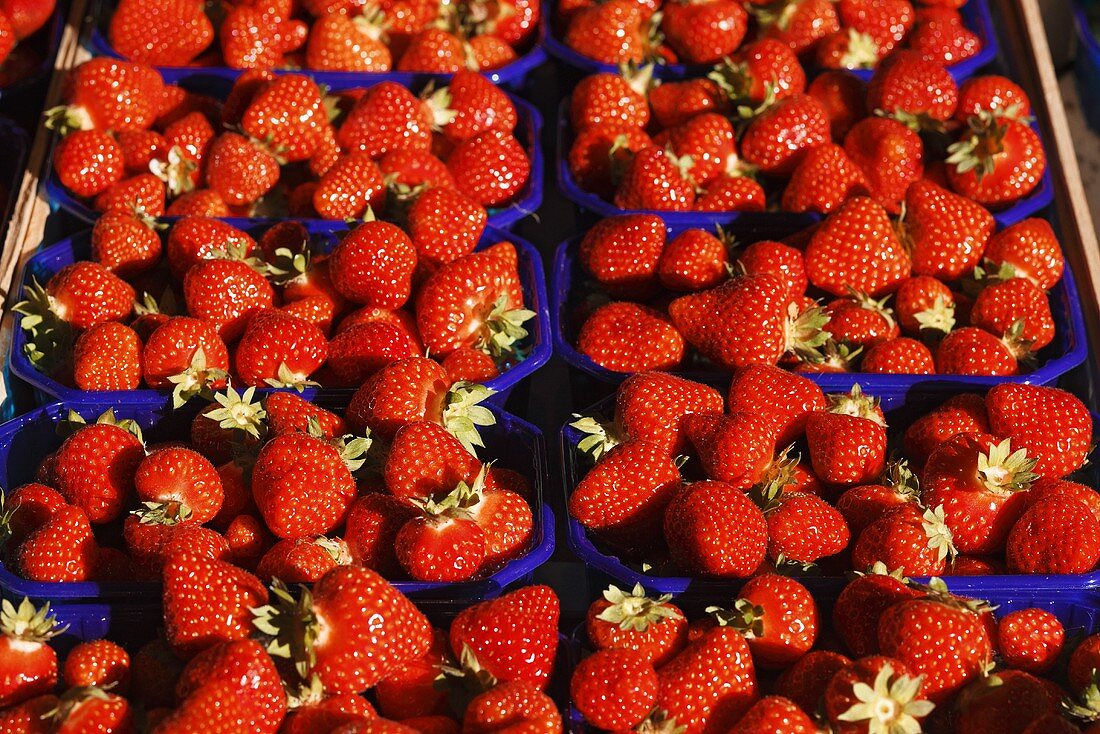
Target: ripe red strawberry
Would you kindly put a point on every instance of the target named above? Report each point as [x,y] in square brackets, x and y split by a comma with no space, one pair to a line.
[802,527]
[30,664]
[913,86]
[1031,249]
[240,170]
[824,180]
[719,322]
[303,485]
[82,295]
[839,254]
[328,714]
[736,449]
[514,703]
[800,23]
[784,399]
[732,192]
[109,94]
[973,351]
[182,167]
[999,307]
[674,102]
[901,356]
[713,528]
[199,203]
[107,357]
[799,120]
[351,189]
[704,32]
[176,484]
[144,192]
[29,717]
[425,459]
[61,549]
[778,617]
[1030,639]
[652,627]
[196,238]
[445,224]
[94,468]
[842,95]
[513,637]
[443,543]
[775,258]
[601,153]
[226,293]
[435,51]
[627,337]
[126,242]
[372,525]
[1053,425]
[860,605]
[846,449]
[651,406]
[995,161]
[139,148]
[655,179]
[875,691]
[891,156]
[694,260]
[358,352]
[946,233]
[942,638]
[941,34]
[612,33]
[614,689]
[1054,536]
[906,540]
[346,42]
[618,98]
[711,684]
[1008,701]
[207,602]
[774,713]
[255,37]
[860,320]
[88,162]
[302,560]
[493,166]
[922,302]
[187,352]
[624,496]
[24,509]
[288,115]
[98,663]
[887,23]
[173,36]
[155,540]
[804,682]
[410,690]
[992,93]
[475,301]
[622,253]
[762,70]
[471,105]
[279,350]
[1050,488]
[469,365]
[387,117]
[708,141]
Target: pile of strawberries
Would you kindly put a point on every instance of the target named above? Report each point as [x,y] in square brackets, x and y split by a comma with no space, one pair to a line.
[422,36]
[753,136]
[889,657]
[209,304]
[849,34]
[934,292]
[279,146]
[777,475]
[19,20]
[351,656]
[282,487]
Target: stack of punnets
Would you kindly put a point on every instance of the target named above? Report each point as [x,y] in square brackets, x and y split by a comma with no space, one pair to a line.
[280,455]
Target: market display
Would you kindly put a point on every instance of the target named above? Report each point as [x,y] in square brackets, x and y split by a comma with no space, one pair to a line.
[278,453]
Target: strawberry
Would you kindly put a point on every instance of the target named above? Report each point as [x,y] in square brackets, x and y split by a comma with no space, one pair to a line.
[302,560]
[875,692]
[891,156]
[207,602]
[28,507]
[514,637]
[358,352]
[61,549]
[345,42]
[849,49]
[766,69]
[708,140]
[946,252]
[81,295]
[614,689]
[187,352]
[622,253]
[372,526]
[995,161]
[154,540]
[775,258]
[907,540]
[303,484]
[746,320]
[940,34]
[1048,488]
[1032,251]
[1008,701]
[923,302]
[899,356]
[842,95]
[799,120]
[674,102]
[655,179]
[653,628]
[778,617]
[475,301]
[196,238]
[239,170]
[860,320]
[172,34]
[846,449]
[860,605]
[611,33]
[694,260]
[94,468]
[29,717]
[471,105]
[409,172]
[617,98]
[92,708]
[288,115]
[493,166]
[199,203]
[444,225]
[799,23]
[626,337]
[824,180]
[469,365]
[189,139]
[992,93]
[144,192]
[425,459]
[387,117]
[601,153]
[839,253]
[107,357]
[179,485]
[802,527]
[26,16]
[942,638]
[703,32]
[651,406]
[1000,306]
[710,685]
[731,193]
[109,94]
[279,350]
[714,529]
[30,663]
[88,162]
[784,399]
[226,293]
[140,148]
[513,703]
[774,713]
[435,51]
[1053,425]
[97,663]
[914,88]
[350,189]
[804,682]
[443,543]
[126,243]
[973,351]
[327,714]
[410,691]
[625,494]
[736,449]
[1058,535]
[254,37]
[1030,639]
[287,412]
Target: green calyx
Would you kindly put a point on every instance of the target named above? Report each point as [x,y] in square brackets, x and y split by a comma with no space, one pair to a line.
[353,449]
[1087,706]
[1004,471]
[438,102]
[659,722]
[457,503]
[899,477]
[463,413]
[979,150]
[290,626]
[862,51]
[175,171]
[27,622]
[633,610]
[599,437]
[163,513]
[304,693]
[768,493]
[288,265]
[1018,344]
[65,119]
[805,331]
[856,404]
[891,705]
[197,379]
[50,338]
[336,548]
[73,698]
[940,317]
[285,377]
[745,617]
[239,413]
[465,681]
[504,330]
[940,538]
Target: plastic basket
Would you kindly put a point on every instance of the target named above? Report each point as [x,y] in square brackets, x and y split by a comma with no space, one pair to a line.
[51,259]
[1087,67]
[528,133]
[512,442]
[1068,349]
